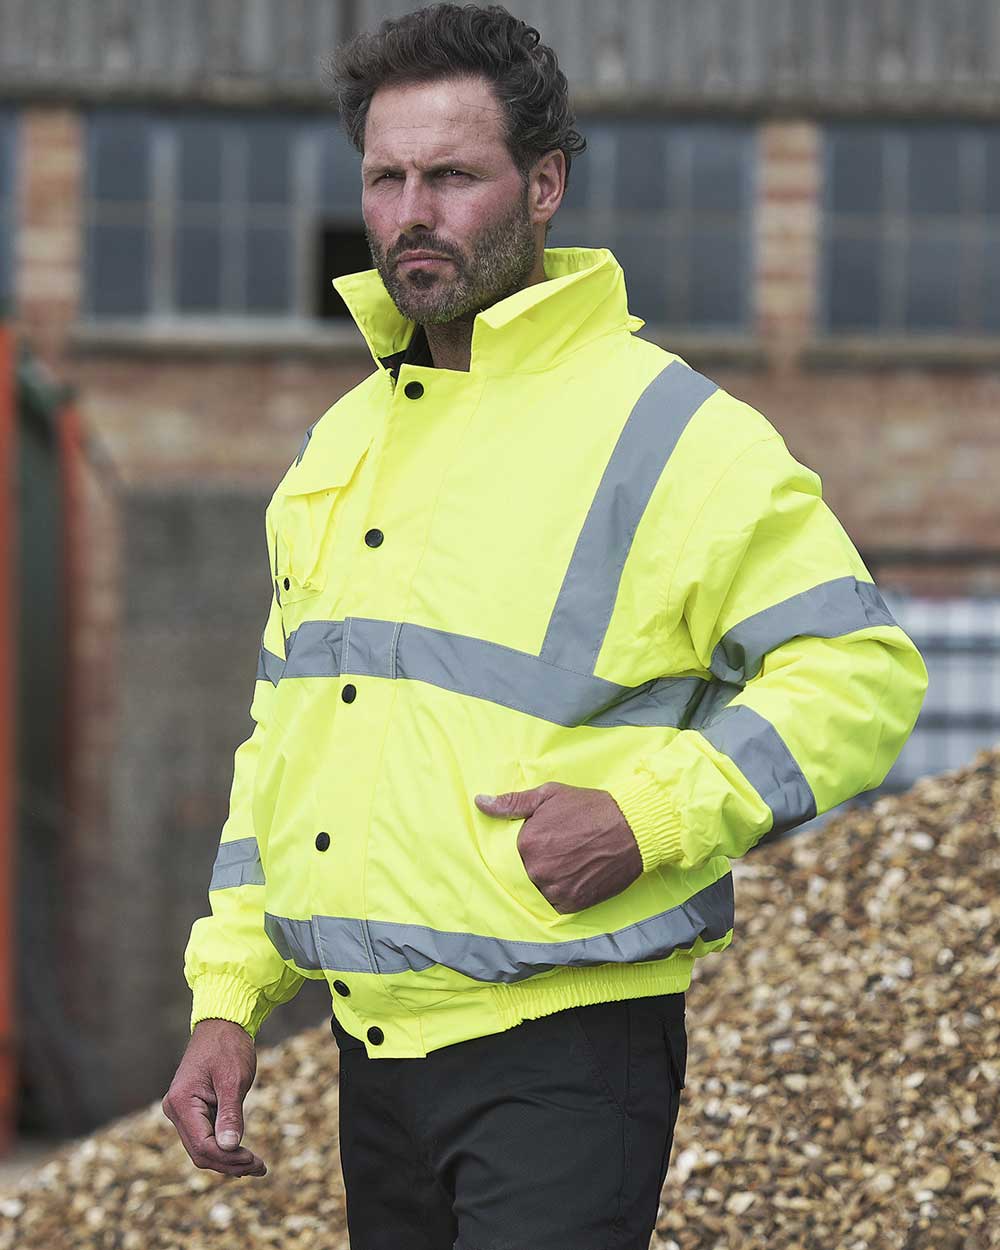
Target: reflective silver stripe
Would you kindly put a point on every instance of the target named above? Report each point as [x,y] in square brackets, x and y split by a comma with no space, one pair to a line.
[305,441]
[586,600]
[484,670]
[237,863]
[270,667]
[757,750]
[337,943]
[828,610]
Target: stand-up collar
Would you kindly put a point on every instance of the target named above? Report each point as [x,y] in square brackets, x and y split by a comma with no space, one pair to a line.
[582,298]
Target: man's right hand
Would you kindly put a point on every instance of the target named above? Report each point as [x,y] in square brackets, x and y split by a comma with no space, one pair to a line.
[205,1099]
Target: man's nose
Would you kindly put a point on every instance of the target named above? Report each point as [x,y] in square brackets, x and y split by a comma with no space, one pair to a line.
[415,207]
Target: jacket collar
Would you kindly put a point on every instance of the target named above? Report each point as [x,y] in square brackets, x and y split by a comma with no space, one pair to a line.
[582,298]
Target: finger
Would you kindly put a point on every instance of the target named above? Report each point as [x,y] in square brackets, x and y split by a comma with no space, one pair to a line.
[198,1134]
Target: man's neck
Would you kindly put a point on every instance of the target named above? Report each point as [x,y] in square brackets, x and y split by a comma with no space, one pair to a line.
[450,343]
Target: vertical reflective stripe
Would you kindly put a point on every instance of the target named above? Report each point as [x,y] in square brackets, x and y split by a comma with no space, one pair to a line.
[758,751]
[829,610]
[586,599]
[237,863]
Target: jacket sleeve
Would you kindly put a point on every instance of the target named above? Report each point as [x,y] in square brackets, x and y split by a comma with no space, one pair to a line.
[230,965]
[814,688]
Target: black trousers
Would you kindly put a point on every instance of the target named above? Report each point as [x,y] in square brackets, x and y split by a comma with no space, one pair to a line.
[552,1135]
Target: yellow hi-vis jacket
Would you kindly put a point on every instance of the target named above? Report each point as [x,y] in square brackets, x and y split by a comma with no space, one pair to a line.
[580,561]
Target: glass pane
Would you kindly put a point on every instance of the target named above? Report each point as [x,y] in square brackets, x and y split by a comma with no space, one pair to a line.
[933,171]
[717,283]
[199,269]
[641,179]
[853,283]
[856,173]
[718,170]
[268,274]
[269,157]
[578,188]
[199,161]
[932,287]
[119,157]
[6,157]
[6,277]
[991,159]
[991,286]
[643,256]
[340,173]
[118,270]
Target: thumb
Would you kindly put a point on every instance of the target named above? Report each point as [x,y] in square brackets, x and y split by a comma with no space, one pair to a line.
[228,1126]
[514,804]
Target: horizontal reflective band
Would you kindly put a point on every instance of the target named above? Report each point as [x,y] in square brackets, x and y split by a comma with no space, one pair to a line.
[757,750]
[270,667]
[338,944]
[586,600]
[828,610]
[237,863]
[482,669]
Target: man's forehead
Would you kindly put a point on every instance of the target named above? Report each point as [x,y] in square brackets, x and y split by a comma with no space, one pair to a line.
[440,118]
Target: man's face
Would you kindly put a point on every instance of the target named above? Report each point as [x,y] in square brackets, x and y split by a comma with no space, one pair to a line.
[438,177]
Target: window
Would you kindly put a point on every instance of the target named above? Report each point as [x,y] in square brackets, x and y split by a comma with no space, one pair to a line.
[215,214]
[7,140]
[672,202]
[912,228]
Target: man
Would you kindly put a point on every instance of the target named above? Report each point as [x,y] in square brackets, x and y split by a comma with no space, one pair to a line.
[558,627]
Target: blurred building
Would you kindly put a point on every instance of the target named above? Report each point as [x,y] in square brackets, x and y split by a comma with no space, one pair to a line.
[805,196]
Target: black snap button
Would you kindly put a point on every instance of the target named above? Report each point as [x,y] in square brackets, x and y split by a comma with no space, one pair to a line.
[341,988]
[287,584]
[348,693]
[375,1035]
[413,390]
[374,538]
[322,841]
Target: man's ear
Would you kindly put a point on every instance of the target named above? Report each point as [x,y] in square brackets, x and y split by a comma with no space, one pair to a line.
[546,186]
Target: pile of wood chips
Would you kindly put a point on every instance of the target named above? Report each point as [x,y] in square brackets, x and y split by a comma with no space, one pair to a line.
[843,1086]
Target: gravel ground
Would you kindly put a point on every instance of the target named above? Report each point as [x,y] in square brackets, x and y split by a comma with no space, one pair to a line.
[843,1087]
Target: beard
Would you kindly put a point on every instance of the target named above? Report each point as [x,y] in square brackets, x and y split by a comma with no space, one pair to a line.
[497,263]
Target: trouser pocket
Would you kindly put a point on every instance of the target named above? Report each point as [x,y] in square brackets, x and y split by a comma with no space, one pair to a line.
[675,1036]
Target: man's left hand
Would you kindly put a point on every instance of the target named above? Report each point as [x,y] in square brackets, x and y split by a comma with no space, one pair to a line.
[576,845]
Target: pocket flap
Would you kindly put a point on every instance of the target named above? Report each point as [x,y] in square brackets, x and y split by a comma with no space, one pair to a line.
[328,458]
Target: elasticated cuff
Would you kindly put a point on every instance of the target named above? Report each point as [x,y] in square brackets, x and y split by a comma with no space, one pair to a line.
[652,816]
[217,996]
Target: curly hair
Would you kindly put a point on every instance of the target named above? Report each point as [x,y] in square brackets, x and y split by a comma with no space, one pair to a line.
[450,41]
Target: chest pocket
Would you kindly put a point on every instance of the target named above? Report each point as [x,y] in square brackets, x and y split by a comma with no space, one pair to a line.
[308,514]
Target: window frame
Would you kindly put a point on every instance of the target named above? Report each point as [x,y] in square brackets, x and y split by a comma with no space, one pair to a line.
[895,226]
[602,220]
[162,212]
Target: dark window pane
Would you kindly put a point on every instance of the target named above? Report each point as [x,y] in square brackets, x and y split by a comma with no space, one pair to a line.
[269,155]
[933,171]
[717,171]
[643,257]
[990,279]
[856,173]
[992,161]
[6,277]
[118,270]
[119,157]
[199,269]
[932,284]
[853,283]
[641,178]
[578,188]
[268,272]
[199,162]
[6,158]
[717,279]
[340,173]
